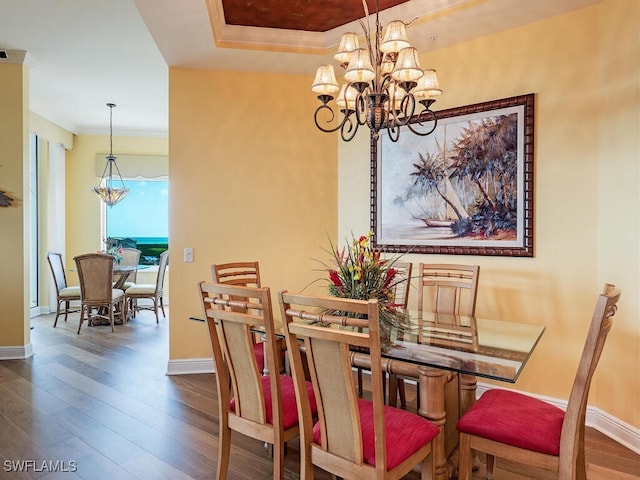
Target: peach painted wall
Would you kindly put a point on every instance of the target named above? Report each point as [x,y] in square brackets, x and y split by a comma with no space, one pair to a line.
[251,179]
[14,225]
[584,69]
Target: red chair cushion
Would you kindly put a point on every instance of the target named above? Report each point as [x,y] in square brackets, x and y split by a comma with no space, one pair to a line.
[515,419]
[289,407]
[405,433]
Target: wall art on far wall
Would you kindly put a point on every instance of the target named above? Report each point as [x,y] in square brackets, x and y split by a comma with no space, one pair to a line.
[466,189]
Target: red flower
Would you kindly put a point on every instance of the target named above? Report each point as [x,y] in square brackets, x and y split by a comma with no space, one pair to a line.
[391,273]
[335,278]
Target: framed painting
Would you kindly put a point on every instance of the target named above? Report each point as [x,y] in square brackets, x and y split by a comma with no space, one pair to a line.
[466,189]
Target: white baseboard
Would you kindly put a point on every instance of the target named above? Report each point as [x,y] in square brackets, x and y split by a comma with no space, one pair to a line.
[614,428]
[16,353]
[190,365]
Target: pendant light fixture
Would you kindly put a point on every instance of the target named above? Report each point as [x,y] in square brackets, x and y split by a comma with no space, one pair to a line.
[106,190]
[384,84]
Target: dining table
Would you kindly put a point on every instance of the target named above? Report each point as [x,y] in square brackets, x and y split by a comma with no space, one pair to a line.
[446,354]
[122,272]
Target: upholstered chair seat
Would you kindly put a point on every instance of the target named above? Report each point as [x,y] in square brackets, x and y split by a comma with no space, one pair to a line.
[516,427]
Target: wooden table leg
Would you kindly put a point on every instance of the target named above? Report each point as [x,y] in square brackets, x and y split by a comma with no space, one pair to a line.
[468,384]
[432,407]
[468,387]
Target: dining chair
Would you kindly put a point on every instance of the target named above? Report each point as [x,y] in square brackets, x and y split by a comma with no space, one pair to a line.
[245,274]
[150,291]
[523,429]
[401,286]
[95,271]
[447,288]
[65,294]
[259,406]
[130,256]
[442,288]
[354,438]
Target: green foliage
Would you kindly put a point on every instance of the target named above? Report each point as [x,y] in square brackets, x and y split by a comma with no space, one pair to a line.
[150,253]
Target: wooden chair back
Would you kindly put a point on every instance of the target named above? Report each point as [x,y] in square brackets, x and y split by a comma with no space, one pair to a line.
[332,329]
[245,274]
[328,356]
[232,314]
[572,461]
[450,288]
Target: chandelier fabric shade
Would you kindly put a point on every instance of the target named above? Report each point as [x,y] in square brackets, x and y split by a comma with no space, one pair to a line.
[107,188]
[384,84]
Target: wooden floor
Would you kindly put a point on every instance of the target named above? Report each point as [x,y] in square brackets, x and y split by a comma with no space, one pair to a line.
[99,406]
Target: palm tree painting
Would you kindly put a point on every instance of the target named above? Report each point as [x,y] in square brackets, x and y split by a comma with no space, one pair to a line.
[464,189]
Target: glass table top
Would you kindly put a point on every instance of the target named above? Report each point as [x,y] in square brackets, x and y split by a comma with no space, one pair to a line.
[483,347]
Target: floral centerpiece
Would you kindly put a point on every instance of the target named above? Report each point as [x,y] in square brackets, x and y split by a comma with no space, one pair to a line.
[113,249]
[359,272]
[117,253]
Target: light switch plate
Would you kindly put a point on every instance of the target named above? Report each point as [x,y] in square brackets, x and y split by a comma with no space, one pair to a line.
[188,255]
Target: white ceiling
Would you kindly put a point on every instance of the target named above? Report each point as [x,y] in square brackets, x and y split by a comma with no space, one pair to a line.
[83,54]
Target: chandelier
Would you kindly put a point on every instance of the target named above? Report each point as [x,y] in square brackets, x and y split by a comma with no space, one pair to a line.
[383,84]
[105,189]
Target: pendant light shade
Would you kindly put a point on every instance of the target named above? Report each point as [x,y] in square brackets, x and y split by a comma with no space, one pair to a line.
[109,192]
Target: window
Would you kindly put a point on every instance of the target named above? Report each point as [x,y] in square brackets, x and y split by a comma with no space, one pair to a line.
[141,219]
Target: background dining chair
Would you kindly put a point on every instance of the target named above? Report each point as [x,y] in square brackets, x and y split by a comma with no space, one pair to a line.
[442,288]
[263,406]
[95,271]
[447,288]
[130,257]
[150,291]
[244,274]
[354,438]
[65,294]
[526,430]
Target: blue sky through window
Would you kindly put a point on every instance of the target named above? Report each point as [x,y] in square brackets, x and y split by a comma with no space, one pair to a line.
[143,213]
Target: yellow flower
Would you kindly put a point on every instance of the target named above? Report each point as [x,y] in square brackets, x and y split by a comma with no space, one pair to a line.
[357,273]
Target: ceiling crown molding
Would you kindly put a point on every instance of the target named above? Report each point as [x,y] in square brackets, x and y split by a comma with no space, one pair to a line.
[13,56]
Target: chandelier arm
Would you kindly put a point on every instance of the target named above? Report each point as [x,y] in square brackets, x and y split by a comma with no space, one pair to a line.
[333,116]
[361,108]
[394,119]
[408,108]
[349,129]
[393,131]
[433,118]
[119,175]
